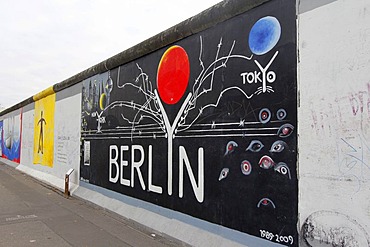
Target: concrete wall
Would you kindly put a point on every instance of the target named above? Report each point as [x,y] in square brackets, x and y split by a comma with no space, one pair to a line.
[334,114]
[332,169]
[64,143]
[204,126]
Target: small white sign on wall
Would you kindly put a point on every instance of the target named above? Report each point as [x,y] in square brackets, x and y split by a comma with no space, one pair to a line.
[87,153]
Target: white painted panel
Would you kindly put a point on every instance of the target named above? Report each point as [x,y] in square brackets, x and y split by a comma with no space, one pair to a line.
[27,137]
[67,132]
[334,121]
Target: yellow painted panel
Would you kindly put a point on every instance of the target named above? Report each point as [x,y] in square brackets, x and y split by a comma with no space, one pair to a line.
[43,143]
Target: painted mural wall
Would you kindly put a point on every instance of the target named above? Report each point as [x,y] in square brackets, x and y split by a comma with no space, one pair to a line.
[10,132]
[205,126]
[208,126]
[334,126]
[1,138]
[51,138]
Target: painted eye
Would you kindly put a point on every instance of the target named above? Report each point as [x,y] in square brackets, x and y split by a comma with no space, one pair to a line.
[266,162]
[278,147]
[285,130]
[223,174]
[246,167]
[283,169]
[281,114]
[230,147]
[264,115]
[255,146]
[266,202]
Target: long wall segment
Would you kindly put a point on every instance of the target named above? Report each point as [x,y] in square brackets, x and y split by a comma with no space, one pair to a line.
[199,124]
[204,126]
[197,127]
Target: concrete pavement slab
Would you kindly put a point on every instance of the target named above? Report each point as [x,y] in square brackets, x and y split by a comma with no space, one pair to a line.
[35,214]
[33,233]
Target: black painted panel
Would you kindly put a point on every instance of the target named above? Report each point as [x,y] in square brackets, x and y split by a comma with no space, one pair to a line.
[235,122]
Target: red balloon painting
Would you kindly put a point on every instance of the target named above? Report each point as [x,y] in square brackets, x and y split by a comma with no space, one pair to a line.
[173,74]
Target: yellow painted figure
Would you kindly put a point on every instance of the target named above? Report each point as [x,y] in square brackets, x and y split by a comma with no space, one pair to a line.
[43,144]
[41,122]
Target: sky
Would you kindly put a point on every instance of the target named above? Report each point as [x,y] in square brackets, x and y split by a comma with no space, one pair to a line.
[44,42]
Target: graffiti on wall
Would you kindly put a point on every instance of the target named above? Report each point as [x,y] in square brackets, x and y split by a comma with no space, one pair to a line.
[11,138]
[333,114]
[1,138]
[205,126]
[353,160]
[330,228]
[43,143]
[360,102]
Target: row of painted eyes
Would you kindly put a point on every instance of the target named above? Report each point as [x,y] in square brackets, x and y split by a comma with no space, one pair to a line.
[255,146]
[265,115]
[265,162]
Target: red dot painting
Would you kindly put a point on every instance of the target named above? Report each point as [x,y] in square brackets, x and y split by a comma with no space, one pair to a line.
[173,74]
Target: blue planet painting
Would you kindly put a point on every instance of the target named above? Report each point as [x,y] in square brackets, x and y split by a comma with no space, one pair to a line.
[264,35]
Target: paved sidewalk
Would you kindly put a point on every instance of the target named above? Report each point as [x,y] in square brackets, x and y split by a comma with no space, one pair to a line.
[34,214]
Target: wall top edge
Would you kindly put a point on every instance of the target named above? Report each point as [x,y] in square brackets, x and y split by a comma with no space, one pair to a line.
[218,13]
[43,93]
